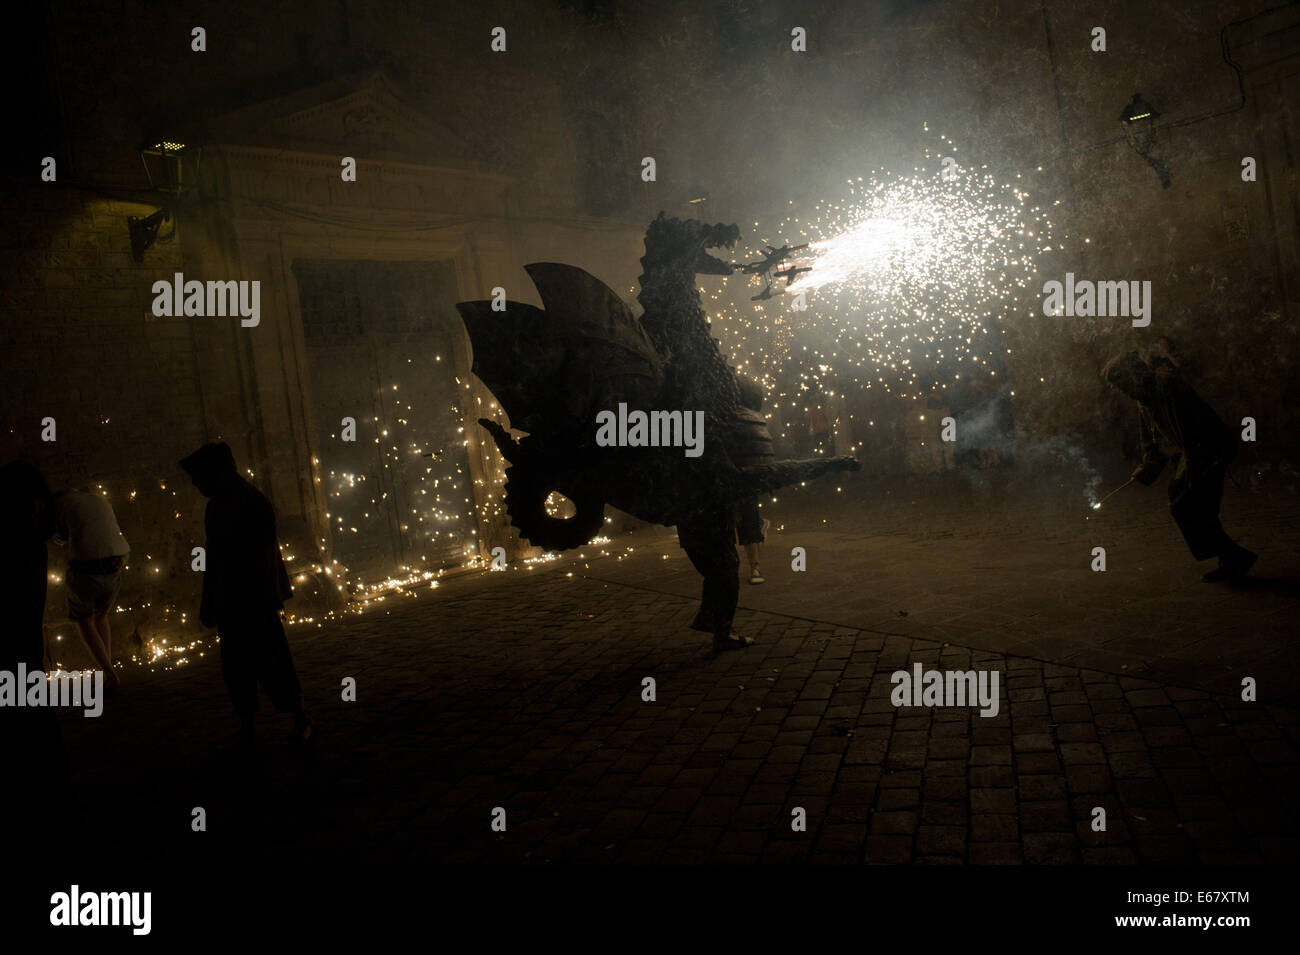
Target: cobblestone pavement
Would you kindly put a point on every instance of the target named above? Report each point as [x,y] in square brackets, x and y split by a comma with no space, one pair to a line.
[523,691]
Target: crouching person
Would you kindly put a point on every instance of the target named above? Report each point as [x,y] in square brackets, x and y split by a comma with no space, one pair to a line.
[1176,424]
[244,589]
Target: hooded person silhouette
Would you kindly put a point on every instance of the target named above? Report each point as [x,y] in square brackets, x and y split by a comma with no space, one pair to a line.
[244,589]
[27,512]
[34,791]
[1176,424]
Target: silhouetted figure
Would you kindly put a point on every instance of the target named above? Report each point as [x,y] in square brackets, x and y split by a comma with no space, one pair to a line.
[244,588]
[1176,424]
[750,525]
[1162,352]
[27,515]
[709,539]
[709,536]
[33,762]
[97,552]
[751,532]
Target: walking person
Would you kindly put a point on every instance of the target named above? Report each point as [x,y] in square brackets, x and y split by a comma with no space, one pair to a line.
[751,527]
[709,539]
[34,794]
[97,552]
[244,588]
[1177,425]
[751,530]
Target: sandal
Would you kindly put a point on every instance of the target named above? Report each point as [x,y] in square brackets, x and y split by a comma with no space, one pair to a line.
[733,642]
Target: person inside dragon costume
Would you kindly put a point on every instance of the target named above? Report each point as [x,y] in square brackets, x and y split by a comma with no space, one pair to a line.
[554,370]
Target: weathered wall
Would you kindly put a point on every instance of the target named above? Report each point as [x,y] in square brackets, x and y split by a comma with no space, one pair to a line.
[132,393]
[82,347]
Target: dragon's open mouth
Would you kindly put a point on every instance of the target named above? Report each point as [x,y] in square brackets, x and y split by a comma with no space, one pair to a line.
[713,237]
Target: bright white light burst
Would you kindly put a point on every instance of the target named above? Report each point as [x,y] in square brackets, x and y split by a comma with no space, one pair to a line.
[911,278]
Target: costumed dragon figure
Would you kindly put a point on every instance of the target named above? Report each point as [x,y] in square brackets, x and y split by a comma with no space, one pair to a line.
[554,370]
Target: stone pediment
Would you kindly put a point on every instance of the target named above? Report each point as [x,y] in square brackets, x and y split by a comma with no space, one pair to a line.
[364,115]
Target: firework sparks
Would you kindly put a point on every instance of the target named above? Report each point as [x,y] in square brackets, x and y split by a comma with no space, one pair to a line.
[910,273]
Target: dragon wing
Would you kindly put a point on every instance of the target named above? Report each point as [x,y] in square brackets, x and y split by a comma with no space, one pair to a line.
[514,351]
[552,370]
[589,308]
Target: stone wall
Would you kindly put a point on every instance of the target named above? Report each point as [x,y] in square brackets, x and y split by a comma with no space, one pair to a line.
[131,393]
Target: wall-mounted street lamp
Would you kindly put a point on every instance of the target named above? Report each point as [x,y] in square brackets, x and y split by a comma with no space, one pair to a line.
[1139,121]
[173,168]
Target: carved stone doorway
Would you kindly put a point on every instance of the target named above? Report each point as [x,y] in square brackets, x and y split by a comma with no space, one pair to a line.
[378,339]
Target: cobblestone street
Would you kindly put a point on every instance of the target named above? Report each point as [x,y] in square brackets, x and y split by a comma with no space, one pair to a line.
[523,690]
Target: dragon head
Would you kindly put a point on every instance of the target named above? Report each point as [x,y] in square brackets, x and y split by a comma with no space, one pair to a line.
[681,244]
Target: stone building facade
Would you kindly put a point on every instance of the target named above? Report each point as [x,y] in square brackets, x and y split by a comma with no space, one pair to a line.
[358,277]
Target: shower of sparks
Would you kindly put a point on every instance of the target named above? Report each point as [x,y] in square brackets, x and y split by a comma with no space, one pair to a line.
[912,276]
